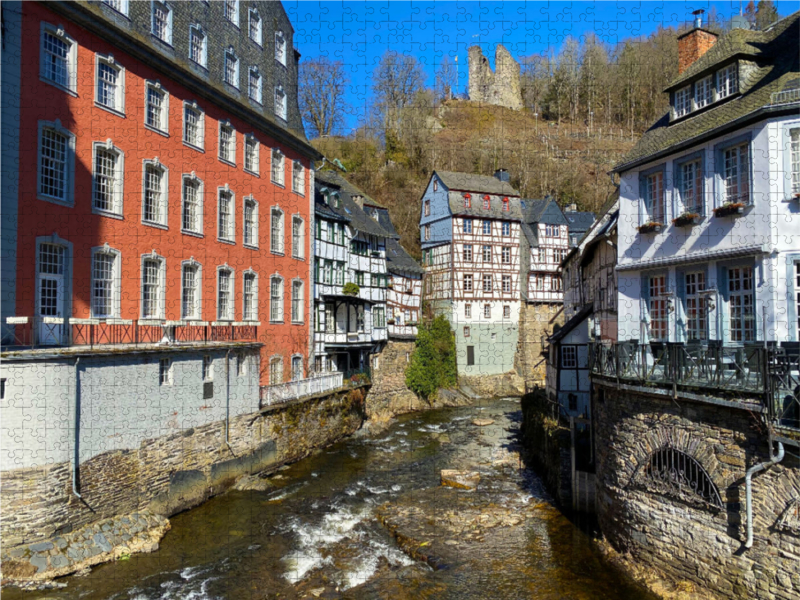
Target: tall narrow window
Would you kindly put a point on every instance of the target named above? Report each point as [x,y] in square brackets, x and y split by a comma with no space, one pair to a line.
[276,299]
[794,157]
[165,371]
[225,295]
[280,102]
[506,284]
[250,298]
[276,371]
[231,10]
[225,216]
[254,26]
[703,92]
[190,292]
[467,201]
[297,368]
[505,254]
[197,45]
[227,143]
[298,238]
[487,254]
[151,288]
[193,126]
[487,283]
[736,174]
[161,25]
[298,178]
[276,231]
[231,72]
[156,107]
[467,253]
[297,302]
[280,48]
[683,101]
[59,58]
[467,282]
[691,186]
[487,228]
[654,198]
[486,203]
[659,318]
[468,311]
[487,311]
[741,304]
[250,223]
[53,156]
[426,232]
[506,205]
[104,284]
[254,85]
[695,311]
[467,225]
[251,152]
[107,194]
[154,205]
[192,218]
[277,167]
[110,80]
[378,317]
[727,81]
[506,228]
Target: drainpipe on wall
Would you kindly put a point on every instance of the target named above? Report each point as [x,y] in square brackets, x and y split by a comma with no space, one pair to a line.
[77,426]
[749,490]
[227,398]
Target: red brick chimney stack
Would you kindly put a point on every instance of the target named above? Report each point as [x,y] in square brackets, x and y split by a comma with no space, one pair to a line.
[694,43]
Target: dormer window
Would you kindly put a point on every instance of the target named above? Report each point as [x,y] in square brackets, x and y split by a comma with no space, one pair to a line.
[727,81]
[505,205]
[486,203]
[683,101]
[703,92]
[467,201]
[435,185]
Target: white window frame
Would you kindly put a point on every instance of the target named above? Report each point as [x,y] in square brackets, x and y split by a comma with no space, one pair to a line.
[120,6]
[793,156]
[231,160]
[298,178]
[276,307]
[279,169]
[163,126]
[164,200]
[116,281]
[230,53]
[165,374]
[198,29]
[683,101]
[69,164]
[201,125]
[744,174]
[233,17]
[487,311]
[468,311]
[208,368]
[229,316]
[506,282]
[230,235]
[298,303]
[747,321]
[117,194]
[200,204]
[280,100]
[298,241]
[276,370]
[256,97]
[276,242]
[506,311]
[505,255]
[118,105]
[197,313]
[162,285]
[467,282]
[297,374]
[167,39]
[71,59]
[251,141]
[254,300]
[250,201]
[488,283]
[281,48]
[704,92]
[259,39]
[729,77]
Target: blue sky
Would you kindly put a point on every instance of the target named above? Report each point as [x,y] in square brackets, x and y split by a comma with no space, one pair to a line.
[358,33]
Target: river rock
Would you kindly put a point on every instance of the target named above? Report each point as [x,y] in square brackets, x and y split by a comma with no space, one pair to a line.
[482,422]
[467,480]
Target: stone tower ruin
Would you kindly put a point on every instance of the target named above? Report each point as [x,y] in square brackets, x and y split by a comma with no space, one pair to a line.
[501,87]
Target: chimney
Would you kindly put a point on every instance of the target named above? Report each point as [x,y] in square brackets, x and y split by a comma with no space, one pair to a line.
[694,43]
[502,175]
[359,200]
[571,208]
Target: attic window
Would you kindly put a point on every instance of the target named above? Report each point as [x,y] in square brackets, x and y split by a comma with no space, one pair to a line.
[486,202]
[726,81]
[683,101]
[435,185]
[467,201]
[505,205]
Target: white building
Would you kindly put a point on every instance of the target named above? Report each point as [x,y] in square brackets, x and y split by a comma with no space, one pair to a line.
[350,274]
[710,198]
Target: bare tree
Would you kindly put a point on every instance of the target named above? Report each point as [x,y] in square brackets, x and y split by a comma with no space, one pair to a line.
[446,79]
[322,89]
[395,82]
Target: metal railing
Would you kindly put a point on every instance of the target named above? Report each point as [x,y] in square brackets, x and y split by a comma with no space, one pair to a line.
[786,96]
[301,388]
[21,333]
[769,375]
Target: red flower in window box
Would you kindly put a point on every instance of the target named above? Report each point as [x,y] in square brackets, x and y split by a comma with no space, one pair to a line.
[651,227]
[687,218]
[731,208]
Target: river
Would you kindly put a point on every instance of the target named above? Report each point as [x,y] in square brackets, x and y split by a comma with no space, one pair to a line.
[313,533]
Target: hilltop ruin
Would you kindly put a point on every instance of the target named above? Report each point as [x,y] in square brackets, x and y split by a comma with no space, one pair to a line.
[501,87]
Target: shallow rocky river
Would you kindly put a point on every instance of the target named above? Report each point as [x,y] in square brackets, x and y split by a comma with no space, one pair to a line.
[368,518]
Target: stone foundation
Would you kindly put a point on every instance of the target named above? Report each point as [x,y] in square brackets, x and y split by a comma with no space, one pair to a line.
[389,395]
[494,386]
[678,533]
[535,324]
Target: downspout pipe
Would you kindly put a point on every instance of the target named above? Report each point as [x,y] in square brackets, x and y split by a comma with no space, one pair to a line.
[749,489]
[77,423]
[227,397]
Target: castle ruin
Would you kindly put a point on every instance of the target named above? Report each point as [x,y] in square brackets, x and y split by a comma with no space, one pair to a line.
[501,87]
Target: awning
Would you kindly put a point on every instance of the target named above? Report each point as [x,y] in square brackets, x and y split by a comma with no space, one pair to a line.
[667,261]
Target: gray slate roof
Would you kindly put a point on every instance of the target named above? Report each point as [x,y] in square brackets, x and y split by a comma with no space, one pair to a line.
[468,182]
[334,178]
[359,219]
[545,210]
[777,67]
[399,261]
[324,210]
[579,222]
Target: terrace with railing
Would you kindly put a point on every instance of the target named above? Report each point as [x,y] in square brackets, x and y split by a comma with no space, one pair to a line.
[767,375]
[316,384]
[53,333]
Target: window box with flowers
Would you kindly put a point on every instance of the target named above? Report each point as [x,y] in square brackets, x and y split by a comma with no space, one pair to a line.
[687,219]
[651,227]
[729,209]
[390,321]
[411,323]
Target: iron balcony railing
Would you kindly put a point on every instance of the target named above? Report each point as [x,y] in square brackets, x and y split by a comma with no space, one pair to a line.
[768,374]
[21,333]
[301,388]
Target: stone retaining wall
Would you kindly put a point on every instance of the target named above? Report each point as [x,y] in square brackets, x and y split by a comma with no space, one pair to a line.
[389,395]
[678,534]
[535,324]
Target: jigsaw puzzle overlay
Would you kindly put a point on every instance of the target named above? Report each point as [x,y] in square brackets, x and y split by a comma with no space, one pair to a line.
[371,300]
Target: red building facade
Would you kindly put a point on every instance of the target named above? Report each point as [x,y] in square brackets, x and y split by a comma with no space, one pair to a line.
[149,195]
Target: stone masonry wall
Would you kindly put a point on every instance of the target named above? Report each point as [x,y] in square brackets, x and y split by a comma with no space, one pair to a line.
[389,395]
[675,534]
[502,87]
[535,323]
